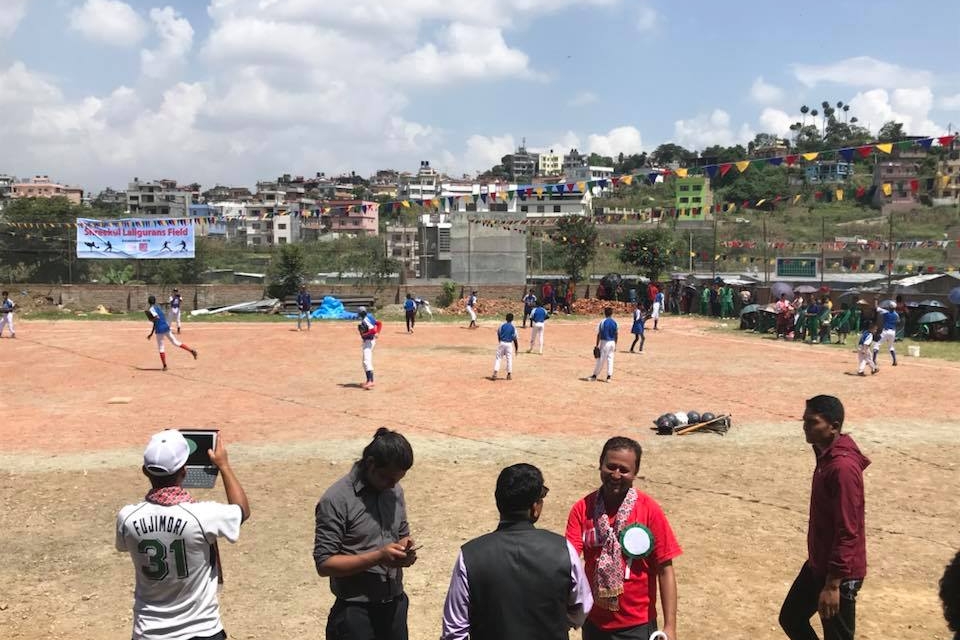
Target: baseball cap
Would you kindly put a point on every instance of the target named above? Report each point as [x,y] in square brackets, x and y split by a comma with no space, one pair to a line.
[361,309]
[166,453]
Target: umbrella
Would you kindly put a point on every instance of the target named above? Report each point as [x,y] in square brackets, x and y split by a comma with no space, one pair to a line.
[805,288]
[750,308]
[770,308]
[850,293]
[933,316]
[934,304]
[955,295]
[889,305]
[779,288]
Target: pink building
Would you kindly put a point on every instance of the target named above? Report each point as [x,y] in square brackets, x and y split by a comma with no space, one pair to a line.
[42,187]
[355,217]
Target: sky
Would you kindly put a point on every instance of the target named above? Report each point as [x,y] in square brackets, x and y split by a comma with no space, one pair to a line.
[97,92]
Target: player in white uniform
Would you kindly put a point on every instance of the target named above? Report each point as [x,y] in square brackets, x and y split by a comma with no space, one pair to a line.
[607,334]
[506,346]
[368,328]
[162,330]
[172,542]
[538,319]
[6,314]
[657,307]
[471,309]
[864,355]
[175,301]
[888,319]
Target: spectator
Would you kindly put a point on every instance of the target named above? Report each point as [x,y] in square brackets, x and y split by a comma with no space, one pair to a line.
[950,595]
[517,582]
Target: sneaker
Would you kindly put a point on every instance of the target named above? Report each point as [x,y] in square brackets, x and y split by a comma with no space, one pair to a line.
[861,373]
[609,378]
[509,376]
[894,363]
[164,368]
[193,352]
[593,378]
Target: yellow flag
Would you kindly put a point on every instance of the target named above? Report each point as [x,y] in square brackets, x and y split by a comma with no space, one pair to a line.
[681,173]
[760,202]
[406,204]
[810,156]
[742,165]
[539,191]
[944,181]
[886,147]
[796,198]
[839,194]
[887,188]
[693,255]
[627,180]
[581,186]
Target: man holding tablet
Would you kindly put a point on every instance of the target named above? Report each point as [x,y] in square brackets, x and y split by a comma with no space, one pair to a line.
[172,542]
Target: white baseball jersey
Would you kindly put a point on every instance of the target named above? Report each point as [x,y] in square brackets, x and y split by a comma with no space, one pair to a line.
[172,552]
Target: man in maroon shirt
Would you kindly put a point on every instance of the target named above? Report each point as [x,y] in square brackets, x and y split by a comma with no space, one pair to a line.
[836,539]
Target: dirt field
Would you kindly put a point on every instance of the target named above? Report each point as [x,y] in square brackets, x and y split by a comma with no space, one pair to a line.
[292,412]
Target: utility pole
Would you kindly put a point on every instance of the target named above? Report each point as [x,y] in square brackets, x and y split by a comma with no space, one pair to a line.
[690,253]
[763,220]
[823,263]
[890,255]
[714,247]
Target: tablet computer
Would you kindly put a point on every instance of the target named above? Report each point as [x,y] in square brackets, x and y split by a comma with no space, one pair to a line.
[201,472]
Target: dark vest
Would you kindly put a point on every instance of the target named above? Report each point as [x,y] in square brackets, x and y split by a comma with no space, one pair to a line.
[519,579]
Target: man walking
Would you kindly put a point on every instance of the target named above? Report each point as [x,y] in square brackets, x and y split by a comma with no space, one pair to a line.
[368,327]
[836,538]
[606,344]
[304,306]
[538,319]
[362,543]
[518,582]
[529,301]
[410,312]
[172,542]
[7,307]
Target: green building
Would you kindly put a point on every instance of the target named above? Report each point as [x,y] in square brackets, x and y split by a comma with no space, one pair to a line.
[694,198]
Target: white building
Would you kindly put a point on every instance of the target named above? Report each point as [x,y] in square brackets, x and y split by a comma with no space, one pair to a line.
[549,164]
[425,185]
[588,173]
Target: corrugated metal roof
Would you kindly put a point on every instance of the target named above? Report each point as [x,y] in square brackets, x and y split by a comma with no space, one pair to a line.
[911,281]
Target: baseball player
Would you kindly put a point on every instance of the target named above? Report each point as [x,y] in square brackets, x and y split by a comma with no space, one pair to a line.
[423,305]
[606,343]
[410,312]
[864,355]
[369,327]
[162,330]
[6,314]
[472,309]
[507,337]
[655,312]
[172,541]
[529,301]
[175,301]
[639,318]
[538,317]
[888,319]
[304,306]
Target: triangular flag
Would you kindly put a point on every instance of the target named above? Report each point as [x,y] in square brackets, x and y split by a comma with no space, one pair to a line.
[775,161]
[681,173]
[914,186]
[406,204]
[860,192]
[847,154]
[945,140]
[796,198]
[742,165]
[791,160]
[926,143]
[810,157]
[652,177]
[885,147]
[710,170]
[887,188]
[944,181]
[839,195]
[865,150]
[627,180]
[539,191]
[724,168]
[760,202]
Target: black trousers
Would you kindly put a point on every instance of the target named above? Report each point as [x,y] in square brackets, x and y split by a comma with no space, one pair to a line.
[368,620]
[802,602]
[411,318]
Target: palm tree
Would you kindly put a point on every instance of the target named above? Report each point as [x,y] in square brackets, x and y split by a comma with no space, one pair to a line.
[846,108]
[804,110]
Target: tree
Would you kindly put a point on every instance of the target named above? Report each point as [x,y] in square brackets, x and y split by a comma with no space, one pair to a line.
[718,153]
[577,235]
[763,140]
[285,272]
[649,251]
[891,131]
[628,164]
[669,152]
[46,254]
[597,160]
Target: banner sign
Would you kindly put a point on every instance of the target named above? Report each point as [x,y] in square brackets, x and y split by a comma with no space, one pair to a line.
[148,239]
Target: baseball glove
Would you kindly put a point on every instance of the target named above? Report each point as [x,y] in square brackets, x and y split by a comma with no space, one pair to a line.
[596,352]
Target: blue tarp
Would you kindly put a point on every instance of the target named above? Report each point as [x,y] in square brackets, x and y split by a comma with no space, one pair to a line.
[330,309]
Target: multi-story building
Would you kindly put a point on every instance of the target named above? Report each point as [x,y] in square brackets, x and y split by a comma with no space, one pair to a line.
[827,172]
[573,160]
[425,185]
[111,198]
[6,185]
[384,183]
[549,164]
[351,217]
[948,180]
[159,198]
[694,198]
[520,165]
[584,173]
[43,187]
[434,249]
[220,193]
[901,178]
[403,244]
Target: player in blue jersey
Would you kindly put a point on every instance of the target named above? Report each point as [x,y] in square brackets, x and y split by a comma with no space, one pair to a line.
[304,307]
[639,318]
[506,346]
[472,310]
[162,330]
[176,300]
[410,312]
[7,307]
[606,343]
[538,318]
[887,320]
[368,328]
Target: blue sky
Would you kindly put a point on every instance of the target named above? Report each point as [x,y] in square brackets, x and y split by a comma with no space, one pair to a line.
[95,92]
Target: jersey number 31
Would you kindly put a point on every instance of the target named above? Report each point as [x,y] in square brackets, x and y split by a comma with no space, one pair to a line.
[156,554]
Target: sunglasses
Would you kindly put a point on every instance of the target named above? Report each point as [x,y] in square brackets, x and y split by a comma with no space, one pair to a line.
[544,492]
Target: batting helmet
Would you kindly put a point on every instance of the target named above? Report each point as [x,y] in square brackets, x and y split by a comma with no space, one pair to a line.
[693,417]
[707,417]
[664,425]
[681,418]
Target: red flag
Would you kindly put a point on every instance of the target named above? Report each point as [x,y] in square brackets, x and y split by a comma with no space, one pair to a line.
[914,186]
[746,204]
[818,195]
[945,140]
[778,199]
[724,168]
[865,150]
[615,180]
[861,191]
[791,160]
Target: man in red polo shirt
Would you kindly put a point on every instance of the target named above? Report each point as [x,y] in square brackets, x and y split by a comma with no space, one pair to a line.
[624,586]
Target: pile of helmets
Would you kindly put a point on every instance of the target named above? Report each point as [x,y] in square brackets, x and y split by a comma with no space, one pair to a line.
[671,422]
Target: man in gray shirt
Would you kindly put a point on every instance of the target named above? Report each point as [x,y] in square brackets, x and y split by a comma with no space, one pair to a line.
[362,542]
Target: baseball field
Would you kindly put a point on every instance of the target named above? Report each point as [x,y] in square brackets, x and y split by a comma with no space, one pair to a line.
[80,399]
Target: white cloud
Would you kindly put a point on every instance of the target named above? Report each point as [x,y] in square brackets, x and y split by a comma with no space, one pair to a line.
[862,71]
[468,52]
[108,22]
[776,121]
[709,129]
[18,85]
[176,40]
[647,18]
[625,140]
[912,107]
[11,15]
[583,99]
[567,141]
[949,103]
[483,152]
[765,93]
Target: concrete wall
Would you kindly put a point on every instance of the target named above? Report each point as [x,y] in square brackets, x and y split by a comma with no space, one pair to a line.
[483,255]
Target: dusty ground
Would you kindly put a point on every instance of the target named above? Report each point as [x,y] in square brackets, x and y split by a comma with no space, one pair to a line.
[289,406]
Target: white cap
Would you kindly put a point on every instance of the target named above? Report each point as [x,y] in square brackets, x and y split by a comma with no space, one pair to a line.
[361,309]
[166,453]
